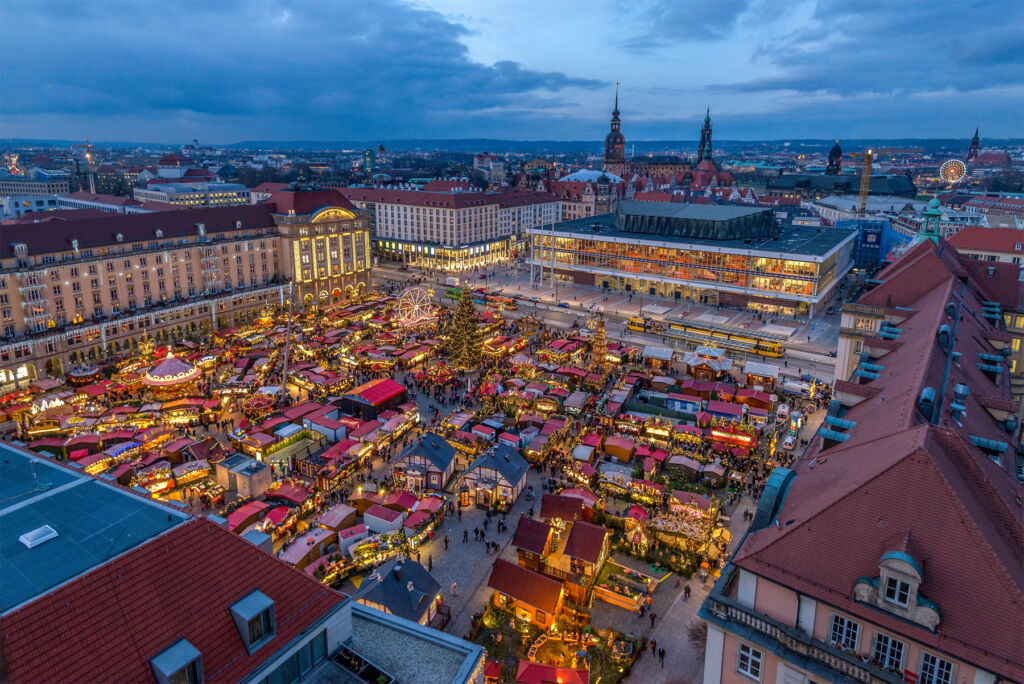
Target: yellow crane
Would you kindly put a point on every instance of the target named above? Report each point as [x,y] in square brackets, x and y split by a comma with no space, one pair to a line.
[88,161]
[865,180]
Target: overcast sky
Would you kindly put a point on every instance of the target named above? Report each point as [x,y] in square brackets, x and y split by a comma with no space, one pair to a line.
[226,70]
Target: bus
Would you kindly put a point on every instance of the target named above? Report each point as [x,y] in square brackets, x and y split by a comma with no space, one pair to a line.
[726,338]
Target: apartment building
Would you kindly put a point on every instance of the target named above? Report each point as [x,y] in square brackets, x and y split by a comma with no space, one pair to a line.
[453,231]
[890,551]
[87,290]
[41,184]
[194,194]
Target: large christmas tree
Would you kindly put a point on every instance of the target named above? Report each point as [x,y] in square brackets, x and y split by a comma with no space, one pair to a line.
[466,341]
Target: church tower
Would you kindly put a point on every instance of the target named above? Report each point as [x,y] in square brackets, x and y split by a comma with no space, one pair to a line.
[704,149]
[615,142]
[835,160]
[972,153]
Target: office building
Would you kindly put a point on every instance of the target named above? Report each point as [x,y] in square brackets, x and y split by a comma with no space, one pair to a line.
[194,194]
[54,183]
[706,253]
[453,231]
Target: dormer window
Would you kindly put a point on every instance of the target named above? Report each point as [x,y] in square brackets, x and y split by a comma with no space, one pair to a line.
[897,591]
[897,588]
[180,664]
[254,617]
[159,233]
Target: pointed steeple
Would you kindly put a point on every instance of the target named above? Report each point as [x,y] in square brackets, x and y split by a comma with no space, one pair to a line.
[615,112]
[704,149]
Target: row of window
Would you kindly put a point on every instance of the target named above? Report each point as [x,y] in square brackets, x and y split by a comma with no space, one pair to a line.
[887,652]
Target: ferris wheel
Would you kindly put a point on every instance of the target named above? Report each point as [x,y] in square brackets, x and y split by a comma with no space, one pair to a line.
[952,171]
[414,306]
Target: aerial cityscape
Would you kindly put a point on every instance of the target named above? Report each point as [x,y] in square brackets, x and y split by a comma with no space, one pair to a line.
[485,343]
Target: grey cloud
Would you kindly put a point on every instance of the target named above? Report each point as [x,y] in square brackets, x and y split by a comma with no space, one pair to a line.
[360,68]
[664,22]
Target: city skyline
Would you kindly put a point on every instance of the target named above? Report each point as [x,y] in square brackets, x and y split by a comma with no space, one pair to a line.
[439,69]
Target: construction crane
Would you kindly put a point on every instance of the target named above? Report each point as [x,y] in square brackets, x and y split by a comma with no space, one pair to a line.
[865,180]
[88,159]
[883,151]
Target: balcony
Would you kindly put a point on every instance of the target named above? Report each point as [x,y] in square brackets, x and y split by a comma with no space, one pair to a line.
[797,641]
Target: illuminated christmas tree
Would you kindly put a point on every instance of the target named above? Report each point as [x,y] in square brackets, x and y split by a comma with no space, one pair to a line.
[465,342]
[599,349]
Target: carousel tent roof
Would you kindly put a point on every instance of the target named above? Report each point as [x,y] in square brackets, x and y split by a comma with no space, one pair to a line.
[170,371]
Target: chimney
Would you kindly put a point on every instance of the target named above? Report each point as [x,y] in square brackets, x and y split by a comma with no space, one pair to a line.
[991,271]
[398,571]
[409,586]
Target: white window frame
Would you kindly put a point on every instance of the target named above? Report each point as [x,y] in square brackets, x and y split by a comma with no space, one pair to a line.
[897,587]
[749,661]
[844,627]
[934,667]
[884,647]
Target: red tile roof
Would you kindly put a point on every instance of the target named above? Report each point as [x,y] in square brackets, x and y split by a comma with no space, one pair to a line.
[302,202]
[105,199]
[979,238]
[531,535]
[527,586]
[586,541]
[899,475]
[116,618]
[564,507]
[102,231]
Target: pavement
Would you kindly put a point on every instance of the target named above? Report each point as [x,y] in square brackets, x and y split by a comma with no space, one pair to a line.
[683,664]
[562,304]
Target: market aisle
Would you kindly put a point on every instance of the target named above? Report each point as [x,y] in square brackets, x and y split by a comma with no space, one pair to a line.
[683,663]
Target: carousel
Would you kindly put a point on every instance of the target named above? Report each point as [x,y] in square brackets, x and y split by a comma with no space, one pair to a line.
[171,378]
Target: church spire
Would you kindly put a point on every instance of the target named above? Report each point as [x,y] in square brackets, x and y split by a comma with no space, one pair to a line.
[704,149]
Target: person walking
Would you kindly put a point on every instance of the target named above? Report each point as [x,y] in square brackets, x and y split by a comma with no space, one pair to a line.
[654,647]
[465,536]
[686,592]
[446,543]
[430,563]
[653,617]
[661,657]
[455,588]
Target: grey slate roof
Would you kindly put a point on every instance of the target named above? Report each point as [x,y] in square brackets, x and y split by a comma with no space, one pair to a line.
[505,460]
[435,449]
[392,591]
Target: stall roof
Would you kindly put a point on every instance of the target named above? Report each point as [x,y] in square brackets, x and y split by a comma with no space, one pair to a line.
[761,370]
[381,513]
[337,514]
[294,493]
[532,588]
[531,535]
[657,353]
[376,392]
[586,541]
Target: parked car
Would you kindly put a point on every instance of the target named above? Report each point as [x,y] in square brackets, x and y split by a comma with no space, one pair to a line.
[563,305]
[782,413]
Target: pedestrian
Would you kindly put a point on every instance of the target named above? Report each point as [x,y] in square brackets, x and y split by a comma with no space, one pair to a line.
[654,647]
[430,563]
[653,618]
[417,556]
[465,536]
[686,592]
[446,543]
[455,588]
[460,514]
[661,656]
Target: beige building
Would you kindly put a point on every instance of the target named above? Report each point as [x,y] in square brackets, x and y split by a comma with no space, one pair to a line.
[454,231]
[86,291]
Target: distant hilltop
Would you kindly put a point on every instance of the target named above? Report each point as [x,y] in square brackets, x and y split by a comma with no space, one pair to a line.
[636,147]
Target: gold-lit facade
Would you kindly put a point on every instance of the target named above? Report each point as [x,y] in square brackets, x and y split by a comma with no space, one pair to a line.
[789,284]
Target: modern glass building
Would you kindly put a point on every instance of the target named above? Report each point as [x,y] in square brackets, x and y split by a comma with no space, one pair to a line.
[713,254]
